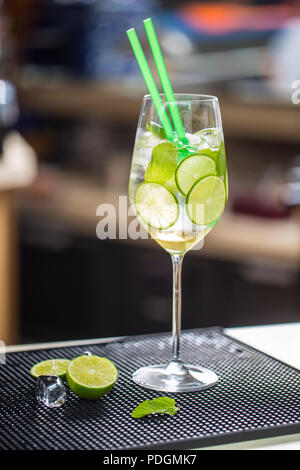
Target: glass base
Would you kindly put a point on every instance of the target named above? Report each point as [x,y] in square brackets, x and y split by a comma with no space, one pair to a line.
[175,377]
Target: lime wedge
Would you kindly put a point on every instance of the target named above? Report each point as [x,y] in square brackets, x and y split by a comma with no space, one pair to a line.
[206,200]
[56,367]
[91,377]
[156,205]
[192,169]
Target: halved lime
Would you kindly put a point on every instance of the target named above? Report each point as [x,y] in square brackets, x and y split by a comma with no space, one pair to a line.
[192,169]
[156,205]
[206,200]
[56,367]
[91,377]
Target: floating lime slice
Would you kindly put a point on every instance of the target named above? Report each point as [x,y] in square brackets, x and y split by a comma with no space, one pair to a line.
[91,377]
[156,205]
[192,169]
[57,367]
[221,161]
[208,152]
[206,200]
[226,186]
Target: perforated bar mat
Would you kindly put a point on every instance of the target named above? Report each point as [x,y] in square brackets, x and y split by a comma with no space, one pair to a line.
[256,396]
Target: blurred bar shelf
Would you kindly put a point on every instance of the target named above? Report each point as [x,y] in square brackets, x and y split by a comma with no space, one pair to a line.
[72,208]
[265,119]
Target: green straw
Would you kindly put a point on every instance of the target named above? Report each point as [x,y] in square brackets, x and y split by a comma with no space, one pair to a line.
[146,72]
[164,78]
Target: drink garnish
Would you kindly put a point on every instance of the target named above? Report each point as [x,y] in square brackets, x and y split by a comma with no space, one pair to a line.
[57,367]
[192,169]
[206,200]
[163,405]
[163,163]
[156,205]
[91,377]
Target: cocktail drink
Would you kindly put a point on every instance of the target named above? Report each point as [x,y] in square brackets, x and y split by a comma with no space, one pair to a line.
[178,192]
[173,201]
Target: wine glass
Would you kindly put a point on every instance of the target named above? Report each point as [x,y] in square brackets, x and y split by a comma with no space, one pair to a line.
[178,193]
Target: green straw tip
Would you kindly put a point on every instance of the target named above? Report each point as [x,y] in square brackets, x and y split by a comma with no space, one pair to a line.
[147,20]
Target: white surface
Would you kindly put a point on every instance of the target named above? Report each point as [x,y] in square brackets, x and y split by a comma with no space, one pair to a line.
[283,343]
[280,341]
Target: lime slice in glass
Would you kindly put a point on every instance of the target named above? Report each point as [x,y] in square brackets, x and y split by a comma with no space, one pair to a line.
[226,186]
[206,200]
[156,205]
[221,161]
[192,169]
[91,377]
[208,152]
[57,367]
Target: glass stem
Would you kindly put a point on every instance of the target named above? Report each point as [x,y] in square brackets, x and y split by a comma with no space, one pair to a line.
[176,314]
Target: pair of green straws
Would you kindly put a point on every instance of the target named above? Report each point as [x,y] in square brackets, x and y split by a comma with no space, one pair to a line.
[165,81]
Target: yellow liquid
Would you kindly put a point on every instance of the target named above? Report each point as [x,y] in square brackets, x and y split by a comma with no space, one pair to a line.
[181,237]
[177,242]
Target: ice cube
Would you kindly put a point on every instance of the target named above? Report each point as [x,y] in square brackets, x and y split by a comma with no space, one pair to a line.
[50,391]
[212,137]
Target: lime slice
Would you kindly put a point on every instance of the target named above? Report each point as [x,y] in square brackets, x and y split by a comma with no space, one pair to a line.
[156,205]
[208,152]
[226,185]
[91,377]
[192,169]
[56,367]
[221,161]
[206,200]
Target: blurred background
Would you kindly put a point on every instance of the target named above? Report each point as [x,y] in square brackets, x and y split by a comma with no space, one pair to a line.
[70,94]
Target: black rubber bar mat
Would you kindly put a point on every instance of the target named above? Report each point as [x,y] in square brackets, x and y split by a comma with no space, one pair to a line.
[256,396]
